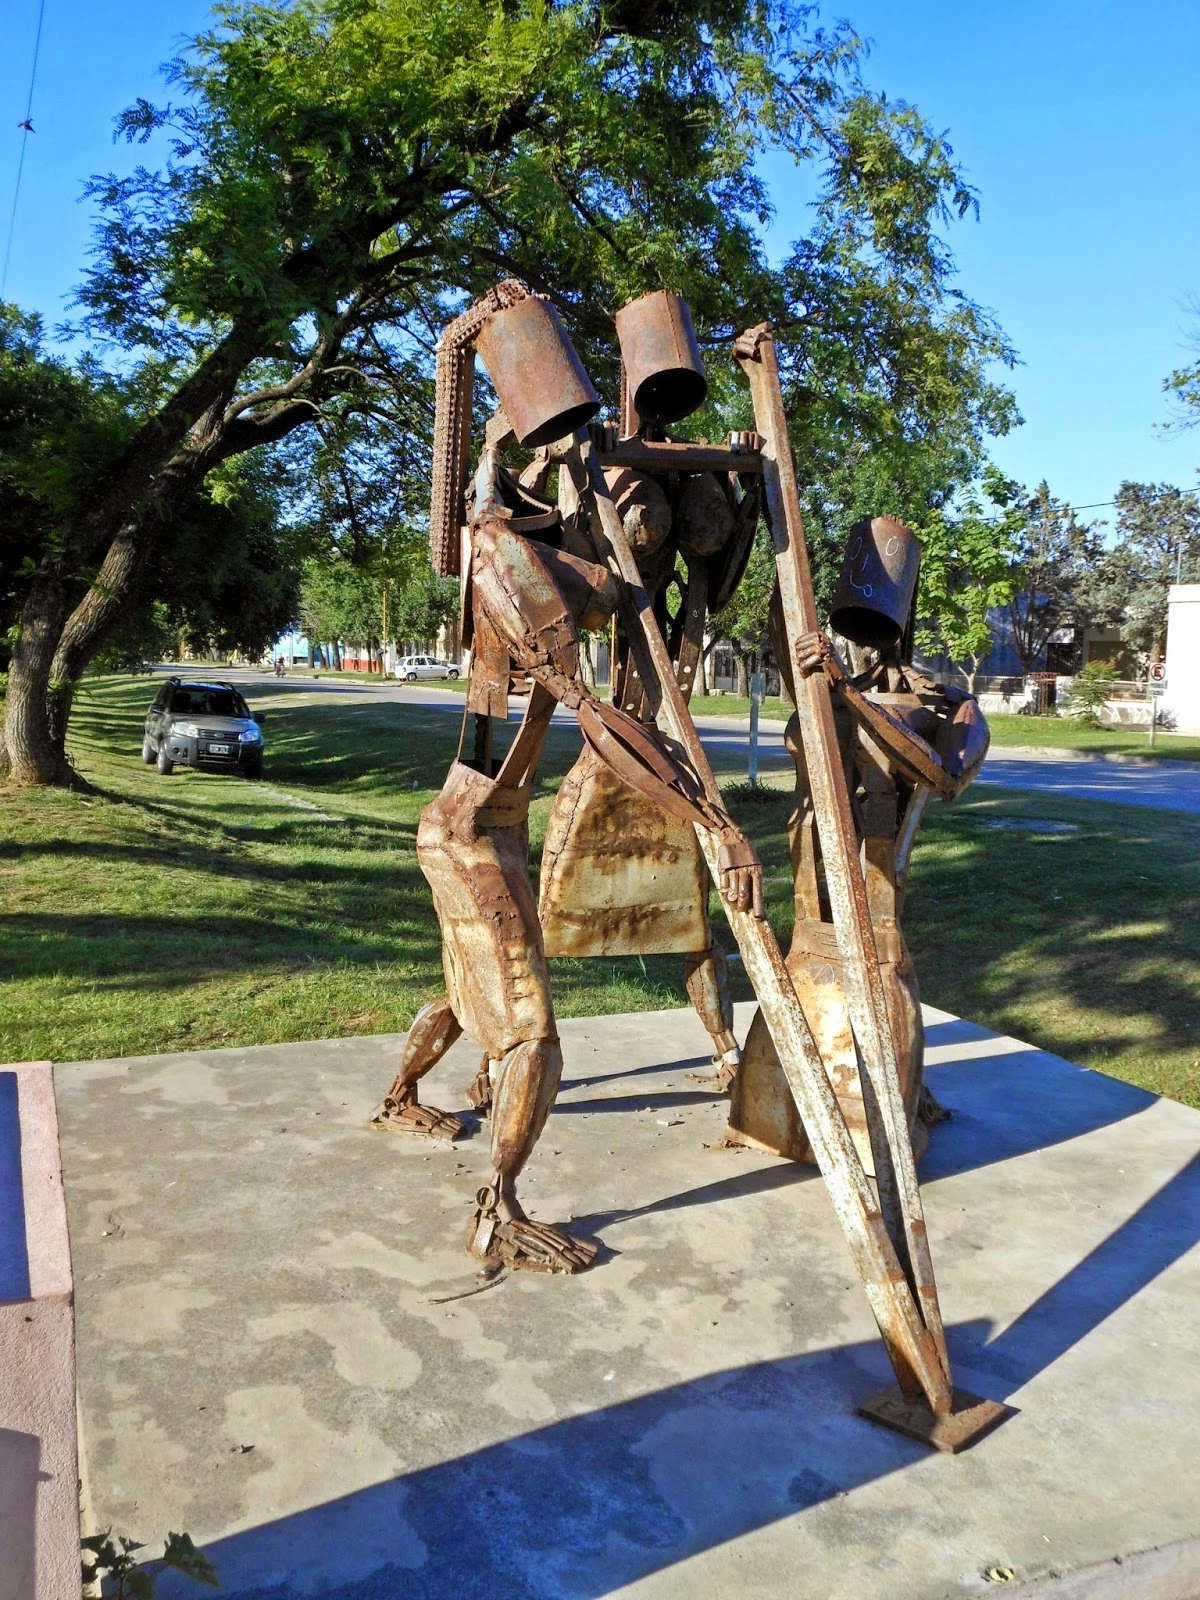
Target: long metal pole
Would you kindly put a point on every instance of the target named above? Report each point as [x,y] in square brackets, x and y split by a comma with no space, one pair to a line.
[916,1359]
[895,1167]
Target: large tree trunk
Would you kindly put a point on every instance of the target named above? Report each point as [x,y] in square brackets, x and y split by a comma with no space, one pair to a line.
[34,746]
[743,672]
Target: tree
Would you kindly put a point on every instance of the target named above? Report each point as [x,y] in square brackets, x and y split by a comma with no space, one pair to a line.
[967,574]
[338,174]
[1090,690]
[1157,544]
[421,607]
[1055,556]
[745,621]
[229,580]
[339,601]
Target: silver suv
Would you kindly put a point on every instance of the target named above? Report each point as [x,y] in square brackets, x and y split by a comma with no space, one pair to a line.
[413,667]
[203,725]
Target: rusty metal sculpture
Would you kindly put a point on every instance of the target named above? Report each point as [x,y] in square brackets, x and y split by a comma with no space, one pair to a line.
[533,573]
[527,594]
[902,738]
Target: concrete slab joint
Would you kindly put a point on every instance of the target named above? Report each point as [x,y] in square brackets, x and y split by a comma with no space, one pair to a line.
[39,1472]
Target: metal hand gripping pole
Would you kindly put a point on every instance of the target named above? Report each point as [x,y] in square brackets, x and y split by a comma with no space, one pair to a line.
[946,1420]
[896,1178]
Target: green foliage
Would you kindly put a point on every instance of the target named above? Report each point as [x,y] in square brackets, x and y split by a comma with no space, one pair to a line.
[339,601]
[114,1561]
[745,620]
[227,579]
[1157,544]
[1055,559]
[1090,689]
[342,171]
[58,424]
[421,607]
[336,176]
[967,572]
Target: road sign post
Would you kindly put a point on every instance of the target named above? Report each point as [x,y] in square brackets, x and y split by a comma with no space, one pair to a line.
[1157,686]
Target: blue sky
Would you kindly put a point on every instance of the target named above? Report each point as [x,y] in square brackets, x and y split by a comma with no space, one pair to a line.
[1078,122]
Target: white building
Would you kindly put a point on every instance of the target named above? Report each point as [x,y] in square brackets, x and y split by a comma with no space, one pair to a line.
[1182,699]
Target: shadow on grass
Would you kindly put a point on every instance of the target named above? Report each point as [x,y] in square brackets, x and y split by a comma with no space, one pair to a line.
[1096,934]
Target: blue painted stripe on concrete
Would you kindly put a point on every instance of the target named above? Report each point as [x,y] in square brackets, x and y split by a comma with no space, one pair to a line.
[14,1253]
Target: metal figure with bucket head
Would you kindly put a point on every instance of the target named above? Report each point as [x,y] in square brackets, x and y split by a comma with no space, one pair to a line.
[531,580]
[903,738]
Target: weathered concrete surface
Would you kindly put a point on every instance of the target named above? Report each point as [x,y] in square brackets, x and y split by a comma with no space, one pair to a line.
[269,1359]
[39,1500]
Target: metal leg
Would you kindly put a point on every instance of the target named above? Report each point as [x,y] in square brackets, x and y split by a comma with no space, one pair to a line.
[431,1035]
[706,975]
[500,1231]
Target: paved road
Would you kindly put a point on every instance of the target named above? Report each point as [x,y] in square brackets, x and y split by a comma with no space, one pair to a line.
[1165,786]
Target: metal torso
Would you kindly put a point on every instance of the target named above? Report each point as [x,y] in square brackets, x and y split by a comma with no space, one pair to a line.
[887,808]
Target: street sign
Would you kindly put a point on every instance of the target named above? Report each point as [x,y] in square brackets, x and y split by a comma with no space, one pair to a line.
[1158,673]
[1157,686]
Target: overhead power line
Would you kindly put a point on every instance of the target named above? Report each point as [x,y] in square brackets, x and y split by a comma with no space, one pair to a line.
[26,127]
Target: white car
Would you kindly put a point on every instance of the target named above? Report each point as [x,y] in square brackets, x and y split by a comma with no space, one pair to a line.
[410,668]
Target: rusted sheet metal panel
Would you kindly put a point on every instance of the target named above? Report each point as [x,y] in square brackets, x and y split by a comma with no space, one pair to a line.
[620,877]
[495,969]
[763,1110]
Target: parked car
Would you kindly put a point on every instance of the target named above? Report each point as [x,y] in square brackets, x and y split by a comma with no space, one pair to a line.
[413,667]
[193,724]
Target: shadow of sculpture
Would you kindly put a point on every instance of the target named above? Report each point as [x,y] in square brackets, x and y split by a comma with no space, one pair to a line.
[584,1505]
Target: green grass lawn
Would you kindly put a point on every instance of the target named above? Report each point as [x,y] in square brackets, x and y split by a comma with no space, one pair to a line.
[198,911]
[1062,733]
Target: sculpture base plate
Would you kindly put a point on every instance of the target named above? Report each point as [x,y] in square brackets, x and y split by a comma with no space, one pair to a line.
[970,1418]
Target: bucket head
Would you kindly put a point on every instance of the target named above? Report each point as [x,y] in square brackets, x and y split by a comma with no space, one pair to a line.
[873,602]
[535,371]
[664,374]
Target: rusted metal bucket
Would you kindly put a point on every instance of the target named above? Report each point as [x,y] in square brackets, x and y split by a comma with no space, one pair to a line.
[873,599]
[664,373]
[536,373]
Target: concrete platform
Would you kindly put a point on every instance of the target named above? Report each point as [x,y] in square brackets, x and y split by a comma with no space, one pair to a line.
[273,1357]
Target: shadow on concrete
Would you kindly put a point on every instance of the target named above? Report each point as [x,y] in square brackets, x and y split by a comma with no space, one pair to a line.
[14,1248]
[760,1180]
[652,1100]
[1157,1234]
[1043,1101]
[20,1456]
[1011,1103]
[587,1504]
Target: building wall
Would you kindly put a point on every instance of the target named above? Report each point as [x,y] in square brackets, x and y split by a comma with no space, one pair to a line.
[1182,699]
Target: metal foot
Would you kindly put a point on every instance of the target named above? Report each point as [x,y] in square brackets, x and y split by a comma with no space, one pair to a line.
[968,1419]
[426,1122]
[524,1246]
